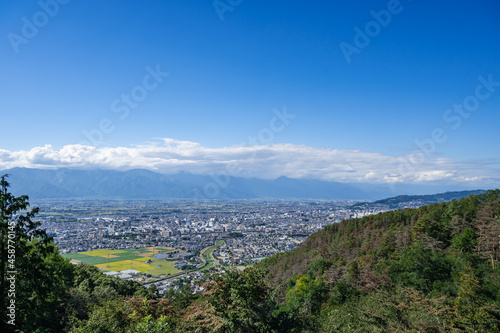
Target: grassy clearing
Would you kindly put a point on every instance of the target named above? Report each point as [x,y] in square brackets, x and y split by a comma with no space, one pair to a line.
[100,253]
[85,259]
[127,259]
[128,256]
[144,259]
[100,257]
[209,265]
[126,264]
[208,255]
[207,252]
[163,267]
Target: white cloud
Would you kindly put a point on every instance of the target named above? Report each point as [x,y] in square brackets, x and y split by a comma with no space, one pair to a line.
[263,161]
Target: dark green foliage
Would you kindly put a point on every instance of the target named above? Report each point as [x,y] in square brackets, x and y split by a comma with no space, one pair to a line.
[306,294]
[247,304]
[180,299]
[104,319]
[341,292]
[424,270]
[353,272]
[387,246]
[466,241]
[124,315]
[319,267]
[401,310]
[91,289]
[42,276]
[242,299]
[468,305]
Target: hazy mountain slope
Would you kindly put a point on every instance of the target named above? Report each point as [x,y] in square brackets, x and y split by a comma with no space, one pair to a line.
[401,201]
[69,183]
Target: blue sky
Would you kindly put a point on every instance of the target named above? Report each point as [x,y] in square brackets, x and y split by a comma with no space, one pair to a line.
[229,68]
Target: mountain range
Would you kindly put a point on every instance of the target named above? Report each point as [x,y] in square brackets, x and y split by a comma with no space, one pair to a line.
[145,184]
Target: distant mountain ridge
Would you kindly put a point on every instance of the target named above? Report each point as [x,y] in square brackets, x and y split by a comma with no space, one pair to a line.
[402,201]
[145,184]
[68,183]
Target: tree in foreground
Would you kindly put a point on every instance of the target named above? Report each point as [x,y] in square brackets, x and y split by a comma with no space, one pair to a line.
[34,277]
[471,311]
[246,303]
[241,299]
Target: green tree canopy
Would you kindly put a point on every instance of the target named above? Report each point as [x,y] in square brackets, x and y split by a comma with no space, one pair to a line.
[34,277]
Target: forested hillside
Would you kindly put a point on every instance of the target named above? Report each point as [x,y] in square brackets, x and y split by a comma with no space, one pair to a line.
[431,269]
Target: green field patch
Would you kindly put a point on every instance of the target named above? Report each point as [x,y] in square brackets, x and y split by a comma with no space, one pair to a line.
[154,250]
[130,250]
[109,256]
[209,265]
[164,267]
[99,253]
[208,255]
[128,256]
[141,249]
[126,264]
[85,259]
[144,259]
[100,259]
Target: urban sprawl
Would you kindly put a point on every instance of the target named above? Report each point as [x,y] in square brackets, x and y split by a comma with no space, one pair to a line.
[211,235]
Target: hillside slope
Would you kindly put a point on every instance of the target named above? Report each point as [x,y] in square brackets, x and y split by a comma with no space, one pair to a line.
[433,268]
[374,238]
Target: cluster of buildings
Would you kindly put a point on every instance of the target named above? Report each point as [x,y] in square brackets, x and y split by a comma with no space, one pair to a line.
[250,229]
[190,279]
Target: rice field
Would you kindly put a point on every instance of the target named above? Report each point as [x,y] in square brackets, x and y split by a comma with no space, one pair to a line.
[126,264]
[164,267]
[119,260]
[101,253]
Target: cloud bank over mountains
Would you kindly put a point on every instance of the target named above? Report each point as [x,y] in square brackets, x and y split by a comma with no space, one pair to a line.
[169,156]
